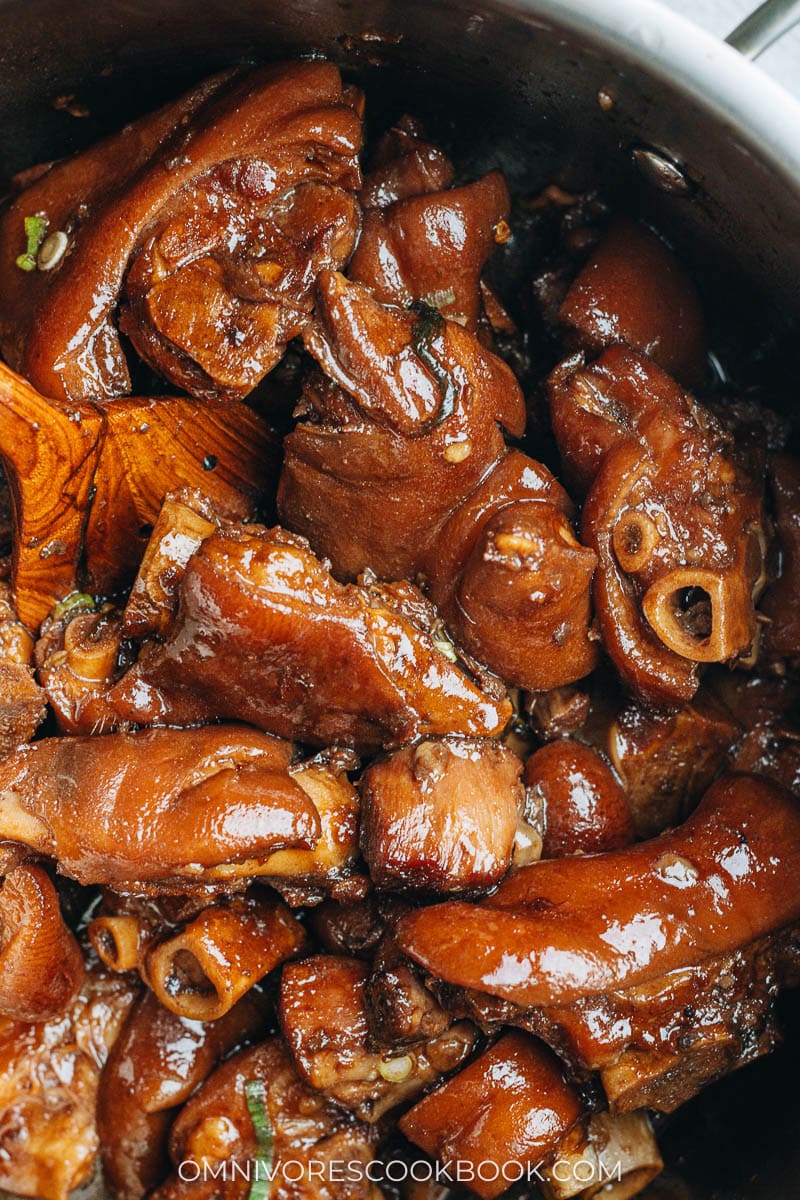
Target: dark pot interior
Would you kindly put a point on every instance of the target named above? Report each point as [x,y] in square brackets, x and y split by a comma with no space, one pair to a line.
[501,88]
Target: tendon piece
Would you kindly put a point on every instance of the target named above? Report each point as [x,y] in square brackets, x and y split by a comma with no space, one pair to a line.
[203,970]
[80,654]
[432,248]
[781,604]
[616,1157]
[666,761]
[333,858]
[442,815]
[217,1129]
[677,525]
[634,290]
[507,1111]
[156,1063]
[41,965]
[155,446]
[401,467]
[156,807]
[207,221]
[324,1020]
[560,930]
[185,520]
[266,635]
[404,164]
[583,808]
[49,454]
[49,1073]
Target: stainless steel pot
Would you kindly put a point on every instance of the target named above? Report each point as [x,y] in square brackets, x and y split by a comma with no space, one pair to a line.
[695,137]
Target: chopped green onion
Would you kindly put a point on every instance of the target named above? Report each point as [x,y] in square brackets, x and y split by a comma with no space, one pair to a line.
[440,300]
[429,324]
[256,1096]
[34,232]
[76,600]
[447,649]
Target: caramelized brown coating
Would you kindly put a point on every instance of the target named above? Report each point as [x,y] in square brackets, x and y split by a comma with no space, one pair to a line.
[766,710]
[216,1127]
[676,524]
[563,929]
[155,806]
[156,1063]
[781,603]
[352,929]
[201,971]
[49,452]
[401,1009]
[441,815]
[208,220]
[583,808]
[80,655]
[265,634]
[41,965]
[404,164]
[509,1109]
[323,1015]
[402,468]
[666,761]
[634,290]
[49,1072]
[432,248]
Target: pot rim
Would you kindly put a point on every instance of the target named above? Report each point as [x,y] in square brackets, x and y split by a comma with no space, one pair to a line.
[681,54]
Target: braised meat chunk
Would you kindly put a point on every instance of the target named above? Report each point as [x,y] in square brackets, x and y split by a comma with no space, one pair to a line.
[324,1019]
[399,734]
[401,467]
[265,634]
[206,222]
[149,807]
[442,815]
[676,523]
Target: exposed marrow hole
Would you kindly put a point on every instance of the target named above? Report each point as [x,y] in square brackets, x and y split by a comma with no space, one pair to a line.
[187,976]
[634,539]
[693,611]
[106,947]
[116,941]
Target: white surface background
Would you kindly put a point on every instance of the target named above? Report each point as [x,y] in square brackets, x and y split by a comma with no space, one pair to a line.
[781,61]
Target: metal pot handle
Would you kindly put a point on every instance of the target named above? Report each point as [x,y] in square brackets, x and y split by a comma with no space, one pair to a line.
[766,25]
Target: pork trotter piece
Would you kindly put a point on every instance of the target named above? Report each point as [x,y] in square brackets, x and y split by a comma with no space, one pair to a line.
[442,815]
[264,634]
[401,467]
[160,805]
[206,222]
[508,1110]
[676,523]
[656,964]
